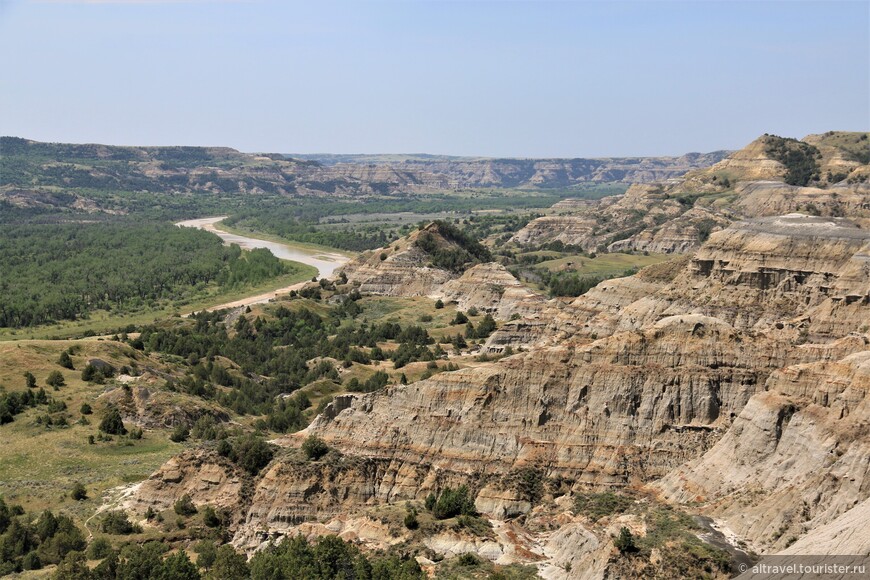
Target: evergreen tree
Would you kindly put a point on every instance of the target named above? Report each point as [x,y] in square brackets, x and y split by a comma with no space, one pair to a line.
[112,423]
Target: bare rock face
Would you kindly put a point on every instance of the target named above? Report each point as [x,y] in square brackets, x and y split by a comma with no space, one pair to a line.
[150,407]
[752,163]
[491,288]
[206,477]
[769,198]
[846,535]
[769,270]
[580,411]
[796,459]
[596,226]
[677,236]
[569,229]
[405,269]
[678,215]
[402,269]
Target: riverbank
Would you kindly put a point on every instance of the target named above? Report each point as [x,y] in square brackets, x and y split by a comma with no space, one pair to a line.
[309,263]
[326,262]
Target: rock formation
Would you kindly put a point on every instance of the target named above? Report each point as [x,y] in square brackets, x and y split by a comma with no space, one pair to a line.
[733,381]
[679,215]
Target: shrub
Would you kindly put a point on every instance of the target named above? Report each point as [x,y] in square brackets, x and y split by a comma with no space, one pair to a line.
[97,374]
[798,157]
[252,453]
[224,448]
[207,553]
[180,433]
[211,518]
[99,548]
[112,423]
[411,519]
[452,503]
[117,522]
[86,409]
[65,361]
[55,379]
[439,304]
[468,559]
[599,505]
[624,542]
[78,492]
[31,561]
[314,448]
[230,565]
[184,506]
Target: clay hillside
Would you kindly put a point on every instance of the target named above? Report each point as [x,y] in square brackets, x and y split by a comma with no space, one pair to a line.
[718,399]
[822,175]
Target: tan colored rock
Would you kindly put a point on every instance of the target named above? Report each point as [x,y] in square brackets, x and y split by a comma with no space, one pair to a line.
[795,459]
[206,477]
[491,288]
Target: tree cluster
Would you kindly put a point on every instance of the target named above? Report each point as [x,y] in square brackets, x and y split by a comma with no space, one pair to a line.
[66,271]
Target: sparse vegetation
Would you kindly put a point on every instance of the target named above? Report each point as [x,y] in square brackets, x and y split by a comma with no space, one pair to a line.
[314,448]
[800,159]
[599,505]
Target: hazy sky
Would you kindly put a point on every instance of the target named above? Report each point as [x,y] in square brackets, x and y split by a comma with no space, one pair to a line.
[492,78]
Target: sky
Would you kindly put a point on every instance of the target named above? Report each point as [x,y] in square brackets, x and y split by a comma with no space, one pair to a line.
[488,78]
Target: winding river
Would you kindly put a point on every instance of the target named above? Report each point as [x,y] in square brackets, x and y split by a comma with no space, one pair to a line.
[325,262]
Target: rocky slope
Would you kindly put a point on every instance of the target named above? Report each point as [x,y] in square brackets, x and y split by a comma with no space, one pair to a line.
[736,383]
[407,269]
[460,172]
[732,382]
[795,460]
[403,269]
[823,175]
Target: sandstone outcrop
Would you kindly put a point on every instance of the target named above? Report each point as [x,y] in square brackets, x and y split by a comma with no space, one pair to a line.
[491,288]
[203,475]
[402,269]
[678,215]
[405,269]
[795,460]
[154,408]
[733,380]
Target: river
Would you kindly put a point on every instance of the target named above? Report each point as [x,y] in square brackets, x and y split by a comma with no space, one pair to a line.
[325,262]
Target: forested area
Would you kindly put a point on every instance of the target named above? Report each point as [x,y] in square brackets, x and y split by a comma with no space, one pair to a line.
[274,354]
[64,271]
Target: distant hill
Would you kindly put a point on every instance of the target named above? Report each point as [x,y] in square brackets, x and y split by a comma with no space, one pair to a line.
[113,179]
[459,172]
